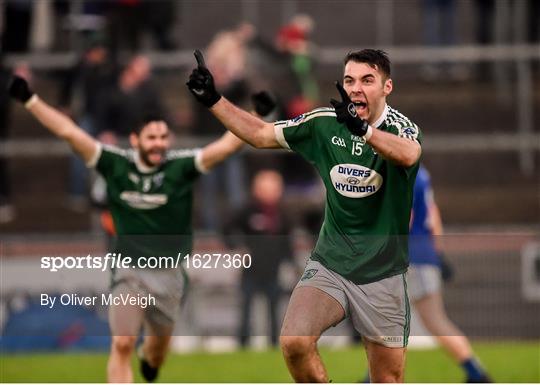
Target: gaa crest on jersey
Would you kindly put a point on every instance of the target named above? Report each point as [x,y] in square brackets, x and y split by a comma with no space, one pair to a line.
[355,181]
[157,179]
[408,132]
[295,120]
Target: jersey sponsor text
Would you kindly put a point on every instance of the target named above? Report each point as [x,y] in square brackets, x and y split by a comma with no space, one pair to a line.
[355,181]
[143,201]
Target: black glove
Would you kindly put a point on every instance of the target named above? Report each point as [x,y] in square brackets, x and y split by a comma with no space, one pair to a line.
[19,90]
[447,271]
[201,83]
[263,103]
[346,113]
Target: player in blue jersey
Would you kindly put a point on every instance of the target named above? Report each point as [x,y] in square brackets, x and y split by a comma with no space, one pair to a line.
[425,281]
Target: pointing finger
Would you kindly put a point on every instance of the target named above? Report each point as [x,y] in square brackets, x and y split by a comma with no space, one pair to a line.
[200,59]
[342,91]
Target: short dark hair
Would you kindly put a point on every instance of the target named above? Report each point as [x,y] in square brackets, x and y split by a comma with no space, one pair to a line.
[375,58]
[150,117]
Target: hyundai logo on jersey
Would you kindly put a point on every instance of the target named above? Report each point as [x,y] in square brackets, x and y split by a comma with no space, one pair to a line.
[354,181]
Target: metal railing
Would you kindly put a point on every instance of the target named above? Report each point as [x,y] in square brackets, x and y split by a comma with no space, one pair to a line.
[524,140]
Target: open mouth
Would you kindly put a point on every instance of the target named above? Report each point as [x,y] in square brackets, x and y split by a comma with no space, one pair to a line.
[156,152]
[155,155]
[360,105]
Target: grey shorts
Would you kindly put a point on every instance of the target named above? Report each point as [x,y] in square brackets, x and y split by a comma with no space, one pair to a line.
[423,280]
[165,285]
[379,311]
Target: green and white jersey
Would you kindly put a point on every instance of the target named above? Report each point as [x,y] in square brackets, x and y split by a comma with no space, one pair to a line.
[368,198]
[151,206]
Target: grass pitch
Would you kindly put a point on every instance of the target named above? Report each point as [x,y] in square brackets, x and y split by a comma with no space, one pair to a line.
[511,362]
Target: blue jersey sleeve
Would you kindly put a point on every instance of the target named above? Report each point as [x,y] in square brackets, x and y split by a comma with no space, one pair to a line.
[421,245]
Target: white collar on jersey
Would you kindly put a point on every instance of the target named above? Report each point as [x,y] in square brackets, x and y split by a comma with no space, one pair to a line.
[141,166]
[381,119]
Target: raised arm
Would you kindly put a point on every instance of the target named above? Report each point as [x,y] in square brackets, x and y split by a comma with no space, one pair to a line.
[216,152]
[250,128]
[55,121]
[219,150]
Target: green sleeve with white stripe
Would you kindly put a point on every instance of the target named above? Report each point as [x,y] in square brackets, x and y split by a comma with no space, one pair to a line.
[183,165]
[298,134]
[408,130]
[110,159]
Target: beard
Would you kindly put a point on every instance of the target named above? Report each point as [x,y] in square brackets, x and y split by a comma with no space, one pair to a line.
[146,154]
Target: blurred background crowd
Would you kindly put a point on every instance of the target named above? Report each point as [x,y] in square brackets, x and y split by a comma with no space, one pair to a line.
[466,71]
[107,62]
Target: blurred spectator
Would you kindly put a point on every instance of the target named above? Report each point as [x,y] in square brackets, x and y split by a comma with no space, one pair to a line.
[265,228]
[440,30]
[129,19]
[125,22]
[293,41]
[134,95]
[86,17]
[17,19]
[159,19]
[84,89]
[42,31]
[7,211]
[226,56]
[439,22]
[287,65]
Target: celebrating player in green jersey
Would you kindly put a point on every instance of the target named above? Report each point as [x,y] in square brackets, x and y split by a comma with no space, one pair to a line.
[367,156]
[149,191]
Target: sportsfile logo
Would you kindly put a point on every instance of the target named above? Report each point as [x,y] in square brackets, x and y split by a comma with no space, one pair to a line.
[355,181]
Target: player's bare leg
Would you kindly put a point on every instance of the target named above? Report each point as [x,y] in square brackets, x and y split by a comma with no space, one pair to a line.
[126,322]
[386,365]
[154,349]
[431,311]
[310,312]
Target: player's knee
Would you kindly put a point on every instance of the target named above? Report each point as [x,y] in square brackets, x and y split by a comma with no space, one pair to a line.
[296,346]
[124,345]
